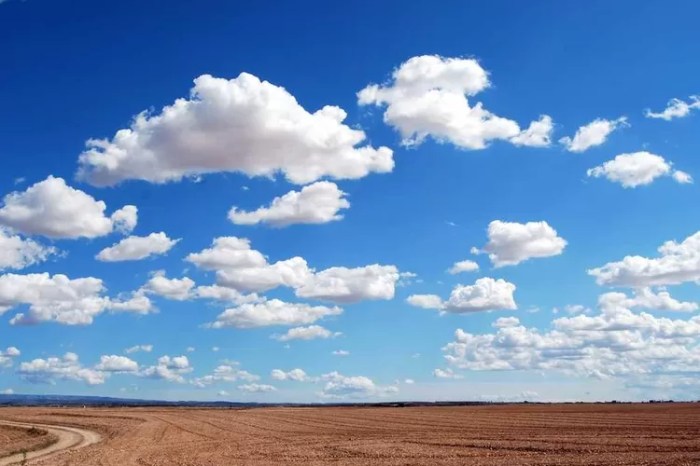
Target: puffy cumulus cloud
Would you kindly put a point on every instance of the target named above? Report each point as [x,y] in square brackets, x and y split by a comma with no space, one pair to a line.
[54,209]
[511,243]
[338,385]
[222,293]
[137,348]
[312,332]
[272,312]
[484,295]
[60,299]
[428,96]
[256,388]
[646,298]
[115,363]
[242,268]
[637,169]
[320,202]
[675,108]
[7,356]
[53,369]
[170,368]
[615,342]
[18,253]
[178,289]
[230,372]
[677,263]
[463,266]
[240,125]
[350,285]
[136,248]
[296,375]
[593,134]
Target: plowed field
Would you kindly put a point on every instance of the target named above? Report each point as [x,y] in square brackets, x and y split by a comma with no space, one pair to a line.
[582,434]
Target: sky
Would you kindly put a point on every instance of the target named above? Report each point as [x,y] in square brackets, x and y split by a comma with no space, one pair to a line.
[312,202]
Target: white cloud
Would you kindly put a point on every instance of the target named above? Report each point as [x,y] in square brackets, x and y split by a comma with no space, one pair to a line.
[350,285]
[7,356]
[312,332]
[593,134]
[340,352]
[169,368]
[240,125]
[222,293]
[229,372]
[511,243]
[678,263]
[136,248]
[256,388]
[338,385]
[179,289]
[538,134]
[54,209]
[272,312]
[51,369]
[615,342]
[428,96]
[136,348]
[7,391]
[114,363]
[484,295]
[463,266]
[320,202]
[242,268]
[446,374]
[637,169]
[296,375]
[676,108]
[18,253]
[63,300]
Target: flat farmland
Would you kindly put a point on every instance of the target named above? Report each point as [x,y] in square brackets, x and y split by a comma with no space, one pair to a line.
[580,434]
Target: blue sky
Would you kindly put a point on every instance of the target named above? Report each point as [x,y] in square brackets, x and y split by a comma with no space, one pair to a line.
[366,149]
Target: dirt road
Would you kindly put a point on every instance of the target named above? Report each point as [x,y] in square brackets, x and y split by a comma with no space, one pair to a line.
[69,438]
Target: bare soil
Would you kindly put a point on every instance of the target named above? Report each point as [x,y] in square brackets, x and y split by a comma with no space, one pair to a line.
[576,434]
[17,439]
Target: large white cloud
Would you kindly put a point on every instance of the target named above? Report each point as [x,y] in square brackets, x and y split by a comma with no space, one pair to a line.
[116,363]
[170,368]
[272,312]
[18,253]
[240,125]
[136,248]
[242,268]
[312,332]
[428,96]
[511,243]
[296,375]
[676,108]
[593,134]
[63,300]
[615,342]
[678,263]
[230,372]
[52,369]
[320,202]
[484,295]
[637,169]
[54,209]
[349,285]
[338,385]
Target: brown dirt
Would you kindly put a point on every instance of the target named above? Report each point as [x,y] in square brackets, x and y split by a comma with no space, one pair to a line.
[641,434]
[18,439]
